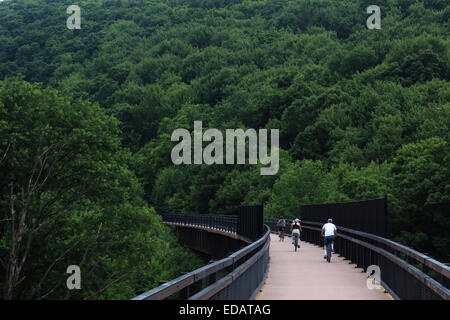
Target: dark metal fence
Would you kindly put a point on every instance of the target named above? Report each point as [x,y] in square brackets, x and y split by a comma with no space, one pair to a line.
[244,280]
[405,273]
[368,216]
[238,276]
[250,221]
[226,223]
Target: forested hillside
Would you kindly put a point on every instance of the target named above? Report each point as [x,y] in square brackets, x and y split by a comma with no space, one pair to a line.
[362,114]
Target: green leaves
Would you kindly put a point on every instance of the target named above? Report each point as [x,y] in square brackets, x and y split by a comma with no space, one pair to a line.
[64,172]
[302,183]
[422,175]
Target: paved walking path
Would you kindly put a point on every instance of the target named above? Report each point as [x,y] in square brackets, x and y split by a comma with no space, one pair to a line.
[305,275]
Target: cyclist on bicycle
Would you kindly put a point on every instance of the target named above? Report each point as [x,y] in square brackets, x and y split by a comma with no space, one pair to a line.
[329,231]
[281,224]
[296,228]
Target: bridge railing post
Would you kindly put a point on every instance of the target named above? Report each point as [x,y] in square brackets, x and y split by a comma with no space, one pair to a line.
[184,293]
[361,257]
[350,251]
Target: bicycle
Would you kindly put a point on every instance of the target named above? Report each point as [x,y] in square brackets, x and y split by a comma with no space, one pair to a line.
[329,249]
[281,234]
[296,238]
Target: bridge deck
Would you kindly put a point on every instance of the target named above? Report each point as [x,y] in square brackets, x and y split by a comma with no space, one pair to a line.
[305,275]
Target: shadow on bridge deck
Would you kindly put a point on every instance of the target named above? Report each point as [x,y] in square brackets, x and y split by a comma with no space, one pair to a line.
[305,275]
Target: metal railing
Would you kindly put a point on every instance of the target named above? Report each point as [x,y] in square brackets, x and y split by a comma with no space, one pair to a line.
[236,277]
[226,223]
[405,273]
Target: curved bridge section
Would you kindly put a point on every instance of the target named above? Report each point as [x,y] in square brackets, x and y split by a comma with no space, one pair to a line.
[403,272]
[238,276]
[213,235]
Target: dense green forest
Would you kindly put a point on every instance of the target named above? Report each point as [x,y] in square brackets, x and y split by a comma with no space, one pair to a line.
[362,114]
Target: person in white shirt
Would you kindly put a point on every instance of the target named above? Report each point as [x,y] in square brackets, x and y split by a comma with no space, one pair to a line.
[329,231]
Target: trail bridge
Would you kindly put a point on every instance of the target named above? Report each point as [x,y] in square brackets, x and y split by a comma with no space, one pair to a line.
[249,261]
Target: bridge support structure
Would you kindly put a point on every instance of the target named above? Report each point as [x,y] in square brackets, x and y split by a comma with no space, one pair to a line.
[216,245]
